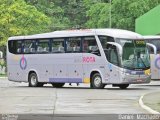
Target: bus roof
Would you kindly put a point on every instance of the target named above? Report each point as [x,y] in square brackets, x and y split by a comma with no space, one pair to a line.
[152,37]
[116,33]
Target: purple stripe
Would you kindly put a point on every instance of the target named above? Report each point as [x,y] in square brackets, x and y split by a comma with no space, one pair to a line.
[66,80]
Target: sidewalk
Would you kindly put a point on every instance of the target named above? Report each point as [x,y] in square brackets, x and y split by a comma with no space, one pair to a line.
[152,100]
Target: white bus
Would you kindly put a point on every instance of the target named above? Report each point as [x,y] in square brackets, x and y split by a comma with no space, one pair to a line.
[95,56]
[154,50]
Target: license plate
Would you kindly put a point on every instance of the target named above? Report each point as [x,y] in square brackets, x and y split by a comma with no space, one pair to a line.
[139,80]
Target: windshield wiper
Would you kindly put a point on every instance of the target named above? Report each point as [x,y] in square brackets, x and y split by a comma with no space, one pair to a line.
[142,61]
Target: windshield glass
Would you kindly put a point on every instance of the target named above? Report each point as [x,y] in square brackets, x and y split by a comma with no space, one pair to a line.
[135,54]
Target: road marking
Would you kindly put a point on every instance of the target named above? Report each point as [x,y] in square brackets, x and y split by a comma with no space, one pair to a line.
[150,110]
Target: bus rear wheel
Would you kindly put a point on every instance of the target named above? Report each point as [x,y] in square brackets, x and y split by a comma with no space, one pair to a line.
[123,86]
[33,80]
[96,82]
[58,85]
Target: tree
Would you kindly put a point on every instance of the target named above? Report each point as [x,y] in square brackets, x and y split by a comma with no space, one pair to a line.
[124,12]
[98,15]
[18,18]
[88,13]
[54,10]
[65,14]
[75,11]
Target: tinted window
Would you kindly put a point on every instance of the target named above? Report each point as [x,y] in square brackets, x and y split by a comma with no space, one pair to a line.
[15,47]
[105,39]
[28,46]
[74,44]
[90,45]
[58,45]
[111,54]
[43,46]
[109,50]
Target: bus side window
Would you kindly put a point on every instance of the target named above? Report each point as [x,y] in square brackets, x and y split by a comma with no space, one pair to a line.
[105,39]
[58,45]
[29,46]
[90,46]
[112,55]
[18,46]
[74,45]
[43,46]
[15,47]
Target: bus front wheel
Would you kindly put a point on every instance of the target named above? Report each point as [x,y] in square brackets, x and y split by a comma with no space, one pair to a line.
[33,80]
[123,86]
[96,82]
[58,85]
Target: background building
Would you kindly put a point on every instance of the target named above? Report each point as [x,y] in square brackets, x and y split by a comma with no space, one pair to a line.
[149,23]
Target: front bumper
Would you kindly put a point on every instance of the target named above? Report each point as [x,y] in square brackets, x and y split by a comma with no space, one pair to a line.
[136,79]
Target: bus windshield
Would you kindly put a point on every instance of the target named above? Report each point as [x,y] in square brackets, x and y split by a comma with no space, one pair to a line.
[135,54]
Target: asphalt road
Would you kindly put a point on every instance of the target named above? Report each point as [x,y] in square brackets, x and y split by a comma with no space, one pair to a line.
[18,98]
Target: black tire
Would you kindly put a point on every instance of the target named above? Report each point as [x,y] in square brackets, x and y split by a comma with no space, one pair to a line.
[58,85]
[96,82]
[123,86]
[33,80]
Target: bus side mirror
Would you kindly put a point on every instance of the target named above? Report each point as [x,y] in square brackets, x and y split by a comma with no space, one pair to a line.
[119,47]
[120,52]
[152,46]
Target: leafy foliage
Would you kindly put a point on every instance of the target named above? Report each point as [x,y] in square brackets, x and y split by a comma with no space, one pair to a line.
[98,15]
[18,18]
[125,12]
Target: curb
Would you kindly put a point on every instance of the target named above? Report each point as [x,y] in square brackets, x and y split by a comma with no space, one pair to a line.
[150,110]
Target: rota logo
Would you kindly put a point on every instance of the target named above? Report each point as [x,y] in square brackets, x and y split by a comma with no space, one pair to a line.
[89,59]
[23,63]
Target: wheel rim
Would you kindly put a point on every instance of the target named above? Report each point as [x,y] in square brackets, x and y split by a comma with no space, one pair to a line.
[97,81]
[33,80]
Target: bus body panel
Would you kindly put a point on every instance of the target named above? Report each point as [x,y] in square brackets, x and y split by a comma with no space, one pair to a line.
[155,72]
[69,67]
[59,68]
[14,70]
[154,58]
[112,73]
[92,63]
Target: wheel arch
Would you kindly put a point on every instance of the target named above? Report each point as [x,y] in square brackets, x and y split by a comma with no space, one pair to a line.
[32,71]
[95,71]
[93,84]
